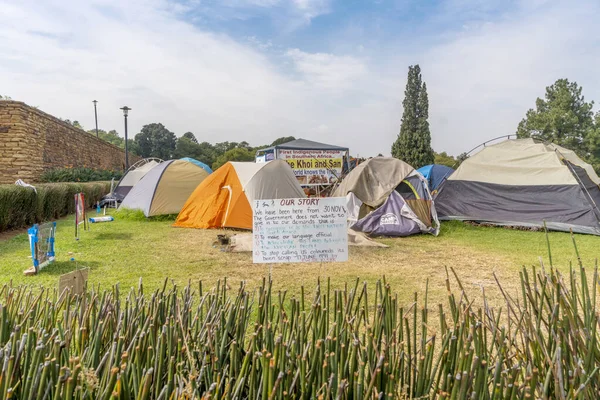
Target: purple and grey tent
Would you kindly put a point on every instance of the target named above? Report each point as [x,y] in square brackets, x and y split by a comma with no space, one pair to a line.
[388,197]
[523,182]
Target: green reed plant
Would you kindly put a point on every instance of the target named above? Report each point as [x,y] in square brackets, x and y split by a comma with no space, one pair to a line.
[184,343]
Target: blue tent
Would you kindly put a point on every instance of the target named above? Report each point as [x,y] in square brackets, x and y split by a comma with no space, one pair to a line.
[435,174]
[198,163]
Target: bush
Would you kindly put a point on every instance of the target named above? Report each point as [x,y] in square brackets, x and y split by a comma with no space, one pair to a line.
[341,345]
[21,207]
[79,174]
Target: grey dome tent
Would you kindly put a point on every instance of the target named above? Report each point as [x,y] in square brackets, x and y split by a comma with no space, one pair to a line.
[523,182]
[388,197]
[132,176]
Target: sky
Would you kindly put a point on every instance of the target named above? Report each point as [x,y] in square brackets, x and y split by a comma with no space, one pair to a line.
[332,71]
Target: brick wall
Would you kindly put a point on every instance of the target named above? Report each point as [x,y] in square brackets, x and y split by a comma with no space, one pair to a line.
[32,141]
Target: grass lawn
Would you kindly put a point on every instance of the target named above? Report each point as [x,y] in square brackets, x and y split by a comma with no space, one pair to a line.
[125,250]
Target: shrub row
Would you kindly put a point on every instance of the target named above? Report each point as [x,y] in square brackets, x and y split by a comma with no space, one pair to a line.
[341,344]
[21,207]
[79,174]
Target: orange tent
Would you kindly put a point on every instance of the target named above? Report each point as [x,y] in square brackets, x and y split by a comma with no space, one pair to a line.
[223,199]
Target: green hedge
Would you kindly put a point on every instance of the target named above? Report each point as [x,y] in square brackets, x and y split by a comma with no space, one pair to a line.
[21,207]
[79,174]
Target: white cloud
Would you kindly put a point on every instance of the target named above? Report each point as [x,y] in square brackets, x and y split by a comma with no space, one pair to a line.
[312,8]
[327,70]
[290,14]
[262,45]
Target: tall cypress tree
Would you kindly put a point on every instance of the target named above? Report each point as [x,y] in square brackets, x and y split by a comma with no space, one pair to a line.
[413,144]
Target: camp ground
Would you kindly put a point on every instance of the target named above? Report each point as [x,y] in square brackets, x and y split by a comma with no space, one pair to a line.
[181,223]
[387,203]
[299,200]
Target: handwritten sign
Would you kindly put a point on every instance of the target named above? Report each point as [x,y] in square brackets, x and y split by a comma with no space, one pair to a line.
[300,230]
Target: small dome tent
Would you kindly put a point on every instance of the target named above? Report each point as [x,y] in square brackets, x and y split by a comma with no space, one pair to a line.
[165,188]
[223,199]
[133,176]
[435,174]
[388,197]
[523,182]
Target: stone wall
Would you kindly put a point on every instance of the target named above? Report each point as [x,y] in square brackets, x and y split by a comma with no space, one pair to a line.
[32,141]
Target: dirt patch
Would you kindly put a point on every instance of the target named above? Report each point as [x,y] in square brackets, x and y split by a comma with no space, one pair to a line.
[407,265]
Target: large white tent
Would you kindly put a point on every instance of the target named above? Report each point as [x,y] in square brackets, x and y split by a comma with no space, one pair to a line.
[523,182]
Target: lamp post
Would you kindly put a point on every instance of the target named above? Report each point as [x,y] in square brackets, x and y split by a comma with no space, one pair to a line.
[125,112]
[96,116]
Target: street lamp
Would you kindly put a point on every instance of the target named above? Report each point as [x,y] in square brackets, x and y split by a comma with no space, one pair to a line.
[96,115]
[125,112]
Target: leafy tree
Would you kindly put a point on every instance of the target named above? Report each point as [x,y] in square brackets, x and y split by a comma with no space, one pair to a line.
[444,159]
[190,136]
[244,145]
[282,140]
[154,140]
[206,153]
[278,141]
[132,147]
[5,98]
[222,147]
[185,147]
[113,137]
[76,124]
[110,137]
[593,139]
[565,118]
[235,154]
[413,144]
